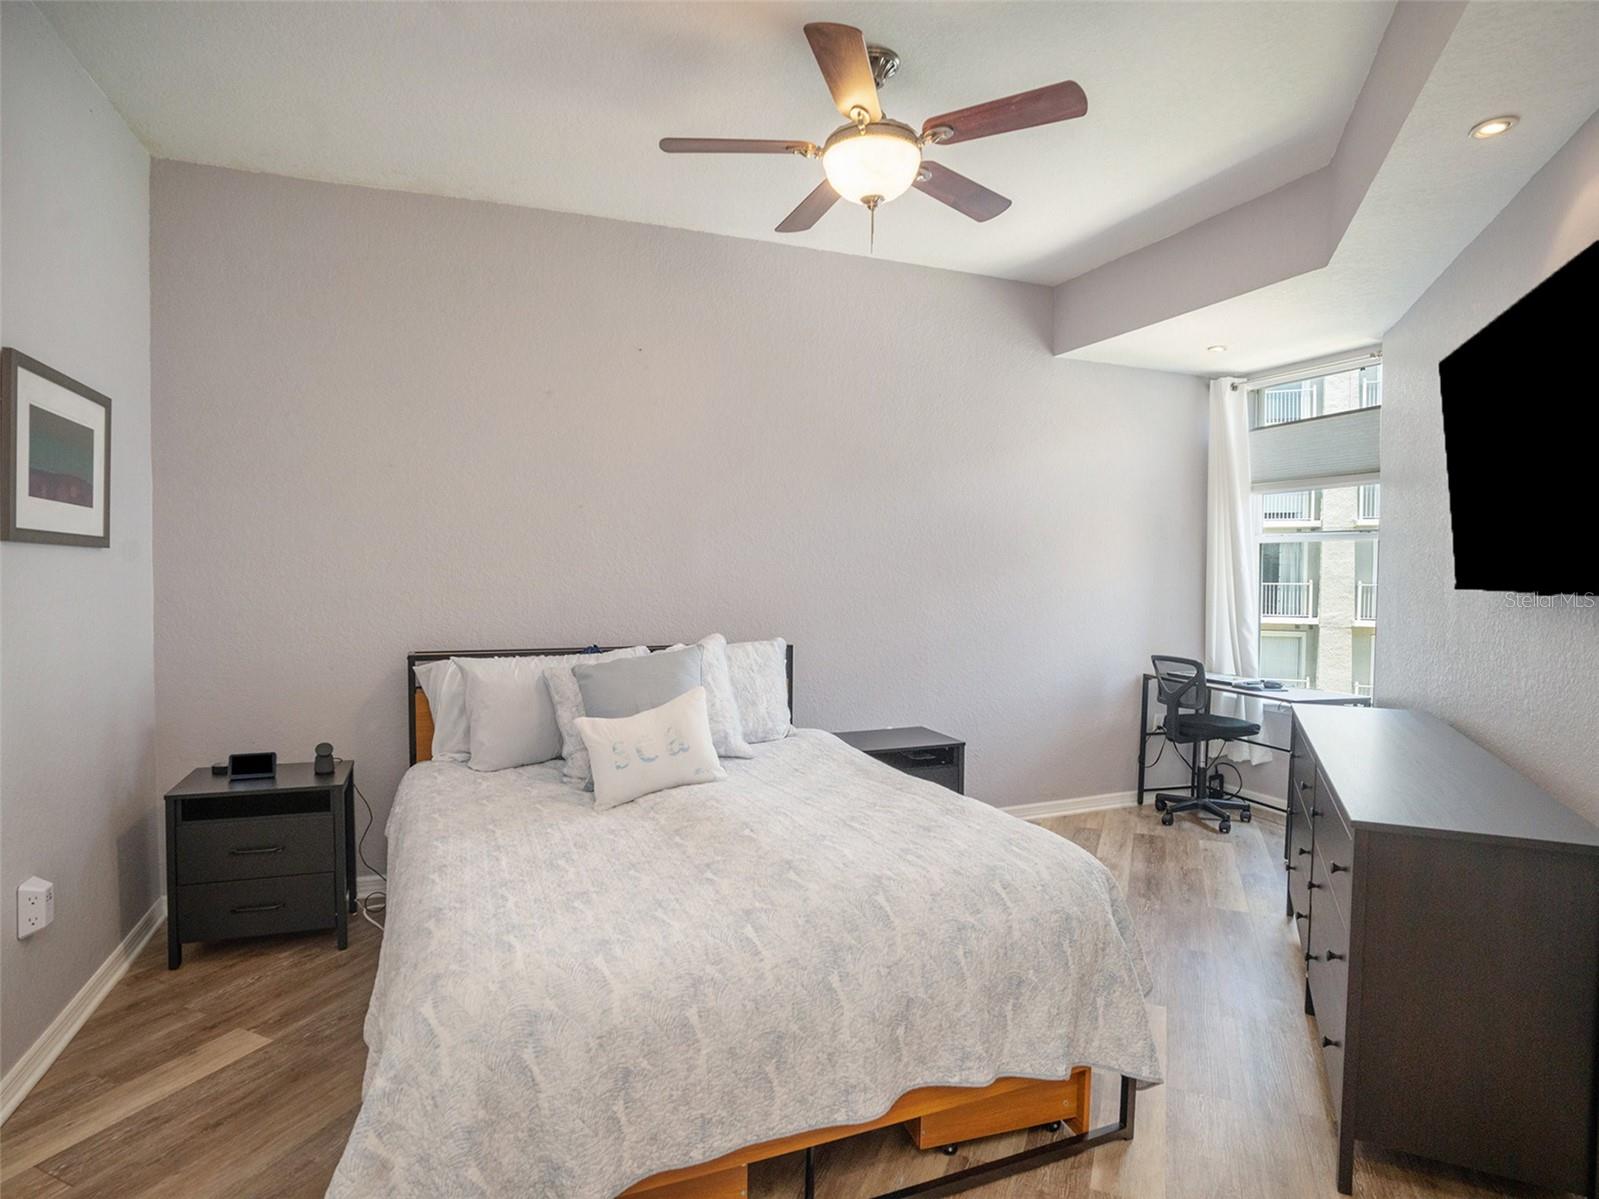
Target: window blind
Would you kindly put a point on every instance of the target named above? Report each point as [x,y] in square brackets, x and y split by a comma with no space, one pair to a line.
[1336,450]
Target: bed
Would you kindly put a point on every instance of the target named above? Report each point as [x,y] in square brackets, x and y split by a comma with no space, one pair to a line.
[646,999]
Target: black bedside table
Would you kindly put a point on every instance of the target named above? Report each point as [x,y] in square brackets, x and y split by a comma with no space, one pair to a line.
[917,751]
[260,856]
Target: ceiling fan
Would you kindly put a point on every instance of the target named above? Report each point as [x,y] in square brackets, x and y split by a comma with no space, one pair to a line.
[872,158]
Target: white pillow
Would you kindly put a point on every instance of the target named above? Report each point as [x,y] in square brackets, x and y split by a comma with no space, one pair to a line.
[445,689]
[510,715]
[727,730]
[668,746]
[758,671]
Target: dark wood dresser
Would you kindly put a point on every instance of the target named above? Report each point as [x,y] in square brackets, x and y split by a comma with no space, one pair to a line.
[260,856]
[1449,912]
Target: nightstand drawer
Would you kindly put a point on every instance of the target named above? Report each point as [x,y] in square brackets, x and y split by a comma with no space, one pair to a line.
[944,776]
[252,907]
[214,851]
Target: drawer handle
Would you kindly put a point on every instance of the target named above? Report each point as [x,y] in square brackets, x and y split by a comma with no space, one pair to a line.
[246,908]
[1303,785]
[248,851]
[1335,867]
[1313,957]
[1289,866]
[1301,916]
[1315,813]
[1334,957]
[1329,1043]
[1304,853]
[1314,886]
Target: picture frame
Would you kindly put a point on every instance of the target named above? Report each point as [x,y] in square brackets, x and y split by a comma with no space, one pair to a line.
[55,456]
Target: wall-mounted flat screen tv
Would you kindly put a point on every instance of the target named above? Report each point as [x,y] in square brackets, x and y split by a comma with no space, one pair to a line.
[1519,405]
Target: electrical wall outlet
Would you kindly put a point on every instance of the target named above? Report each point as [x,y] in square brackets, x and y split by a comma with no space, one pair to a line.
[36,906]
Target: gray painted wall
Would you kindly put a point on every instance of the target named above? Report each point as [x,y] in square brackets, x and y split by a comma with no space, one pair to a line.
[389,422]
[78,803]
[1518,680]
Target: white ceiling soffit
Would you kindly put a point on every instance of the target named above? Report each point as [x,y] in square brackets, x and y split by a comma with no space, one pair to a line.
[1193,108]
[1334,259]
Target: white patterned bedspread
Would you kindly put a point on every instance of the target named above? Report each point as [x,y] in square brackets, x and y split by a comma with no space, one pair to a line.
[569,1001]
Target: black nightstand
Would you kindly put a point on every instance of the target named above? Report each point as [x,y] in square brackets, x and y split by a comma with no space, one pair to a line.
[918,751]
[262,856]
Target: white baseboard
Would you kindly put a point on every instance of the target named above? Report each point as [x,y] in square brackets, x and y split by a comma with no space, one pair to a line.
[365,884]
[30,1067]
[1115,799]
[1071,807]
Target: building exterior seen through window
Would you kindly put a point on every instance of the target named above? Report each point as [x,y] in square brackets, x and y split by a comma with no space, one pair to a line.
[1318,553]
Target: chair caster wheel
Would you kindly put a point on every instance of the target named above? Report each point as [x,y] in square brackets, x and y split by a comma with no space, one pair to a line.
[1052,1126]
[1160,804]
[948,1150]
[1226,826]
[1246,816]
[1168,819]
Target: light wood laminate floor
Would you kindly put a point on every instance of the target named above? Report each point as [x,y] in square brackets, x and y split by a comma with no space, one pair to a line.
[240,1074]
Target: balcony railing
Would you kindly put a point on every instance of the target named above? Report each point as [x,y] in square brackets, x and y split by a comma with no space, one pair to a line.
[1366,601]
[1292,507]
[1370,503]
[1279,405]
[1300,683]
[1371,393]
[1287,601]
[1363,689]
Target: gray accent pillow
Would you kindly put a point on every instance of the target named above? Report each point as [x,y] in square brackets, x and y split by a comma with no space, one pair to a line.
[633,685]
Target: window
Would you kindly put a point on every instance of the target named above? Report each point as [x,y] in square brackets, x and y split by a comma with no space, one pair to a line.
[1318,553]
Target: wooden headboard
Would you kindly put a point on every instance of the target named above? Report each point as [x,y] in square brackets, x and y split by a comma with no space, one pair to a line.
[421,716]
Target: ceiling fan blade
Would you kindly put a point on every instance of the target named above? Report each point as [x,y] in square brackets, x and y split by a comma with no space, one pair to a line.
[841,53]
[736,145]
[811,209]
[1041,106]
[960,193]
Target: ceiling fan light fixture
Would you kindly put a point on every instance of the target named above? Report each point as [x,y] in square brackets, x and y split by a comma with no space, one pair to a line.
[878,160]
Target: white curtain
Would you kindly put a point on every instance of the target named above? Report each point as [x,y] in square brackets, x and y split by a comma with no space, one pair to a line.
[1232,558]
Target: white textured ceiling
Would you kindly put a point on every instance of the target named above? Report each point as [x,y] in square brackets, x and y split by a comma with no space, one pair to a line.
[1193,107]
[1435,190]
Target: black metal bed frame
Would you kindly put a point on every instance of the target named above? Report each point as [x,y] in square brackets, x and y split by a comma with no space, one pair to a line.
[1016,1163]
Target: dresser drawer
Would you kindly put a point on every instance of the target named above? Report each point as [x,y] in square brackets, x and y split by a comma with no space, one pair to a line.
[1302,785]
[939,764]
[1297,852]
[253,907]
[1327,969]
[213,851]
[1335,849]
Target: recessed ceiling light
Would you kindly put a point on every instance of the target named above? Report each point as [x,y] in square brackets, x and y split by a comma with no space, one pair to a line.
[1493,127]
[1217,349]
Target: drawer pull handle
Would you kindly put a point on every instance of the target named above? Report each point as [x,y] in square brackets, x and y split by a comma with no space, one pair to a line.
[1303,785]
[1304,853]
[1315,813]
[1335,867]
[248,851]
[1334,957]
[1314,886]
[246,908]
[1301,916]
[1289,866]
[1313,957]
[1329,1043]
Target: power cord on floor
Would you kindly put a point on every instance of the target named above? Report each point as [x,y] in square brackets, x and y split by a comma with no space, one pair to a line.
[373,901]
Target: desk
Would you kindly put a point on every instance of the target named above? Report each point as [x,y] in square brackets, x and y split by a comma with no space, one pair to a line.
[1228,685]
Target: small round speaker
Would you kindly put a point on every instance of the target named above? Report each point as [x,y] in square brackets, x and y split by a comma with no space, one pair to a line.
[324,757]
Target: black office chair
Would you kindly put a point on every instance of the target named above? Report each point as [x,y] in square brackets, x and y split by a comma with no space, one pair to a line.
[1180,683]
